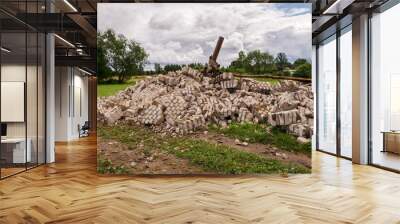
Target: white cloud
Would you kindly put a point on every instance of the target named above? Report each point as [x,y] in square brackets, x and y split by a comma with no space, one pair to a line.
[186,33]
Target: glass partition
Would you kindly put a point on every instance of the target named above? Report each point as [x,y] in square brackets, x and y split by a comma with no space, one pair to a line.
[13,94]
[346,92]
[22,77]
[385,89]
[327,95]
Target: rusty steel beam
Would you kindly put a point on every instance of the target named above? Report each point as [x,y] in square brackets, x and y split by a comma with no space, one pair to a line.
[217,48]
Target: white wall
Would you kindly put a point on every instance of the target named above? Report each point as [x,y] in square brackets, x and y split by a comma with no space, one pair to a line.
[70,83]
[62,81]
[33,126]
[80,94]
[16,73]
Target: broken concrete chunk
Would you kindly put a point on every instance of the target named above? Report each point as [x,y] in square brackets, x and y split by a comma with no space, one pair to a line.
[303,140]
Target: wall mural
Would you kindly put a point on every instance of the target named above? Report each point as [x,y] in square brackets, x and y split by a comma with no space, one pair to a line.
[204,88]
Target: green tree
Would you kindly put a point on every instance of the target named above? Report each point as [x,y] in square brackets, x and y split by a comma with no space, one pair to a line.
[197,66]
[125,58]
[158,69]
[240,62]
[238,65]
[172,67]
[281,61]
[303,70]
[299,62]
[255,62]
[259,62]
[103,71]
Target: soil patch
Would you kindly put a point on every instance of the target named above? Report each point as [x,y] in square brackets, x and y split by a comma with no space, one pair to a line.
[267,151]
[143,162]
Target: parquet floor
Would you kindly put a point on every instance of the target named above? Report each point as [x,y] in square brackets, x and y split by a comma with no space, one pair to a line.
[70,191]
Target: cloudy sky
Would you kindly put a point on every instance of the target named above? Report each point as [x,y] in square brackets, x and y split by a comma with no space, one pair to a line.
[187,33]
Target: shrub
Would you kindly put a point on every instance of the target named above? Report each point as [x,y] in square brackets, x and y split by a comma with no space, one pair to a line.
[303,70]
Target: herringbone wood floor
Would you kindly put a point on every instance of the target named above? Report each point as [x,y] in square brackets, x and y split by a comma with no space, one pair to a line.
[70,191]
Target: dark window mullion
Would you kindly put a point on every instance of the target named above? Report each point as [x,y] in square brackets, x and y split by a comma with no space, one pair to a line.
[369,100]
[338,74]
[316,97]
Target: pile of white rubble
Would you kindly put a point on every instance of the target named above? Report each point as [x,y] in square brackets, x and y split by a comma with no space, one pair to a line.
[186,101]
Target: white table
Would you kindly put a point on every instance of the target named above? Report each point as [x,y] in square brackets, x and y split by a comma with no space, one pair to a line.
[19,154]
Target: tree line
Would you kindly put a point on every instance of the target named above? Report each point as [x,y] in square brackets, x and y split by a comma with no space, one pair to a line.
[254,62]
[257,62]
[118,59]
[159,69]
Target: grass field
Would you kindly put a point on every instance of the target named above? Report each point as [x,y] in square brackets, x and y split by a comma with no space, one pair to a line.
[109,89]
[256,133]
[263,79]
[209,156]
[227,160]
[269,80]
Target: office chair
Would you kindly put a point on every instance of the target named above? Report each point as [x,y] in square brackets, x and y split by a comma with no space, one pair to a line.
[84,130]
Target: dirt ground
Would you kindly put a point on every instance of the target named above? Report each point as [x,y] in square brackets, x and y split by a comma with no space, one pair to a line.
[138,162]
[267,151]
[159,162]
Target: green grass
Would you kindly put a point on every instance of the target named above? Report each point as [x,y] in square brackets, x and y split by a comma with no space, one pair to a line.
[227,160]
[263,79]
[132,137]
[208,156]
[109,89]
[106,166]
[269,80]
[256,133]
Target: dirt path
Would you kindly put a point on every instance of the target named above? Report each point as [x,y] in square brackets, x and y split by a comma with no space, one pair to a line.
[267,151]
